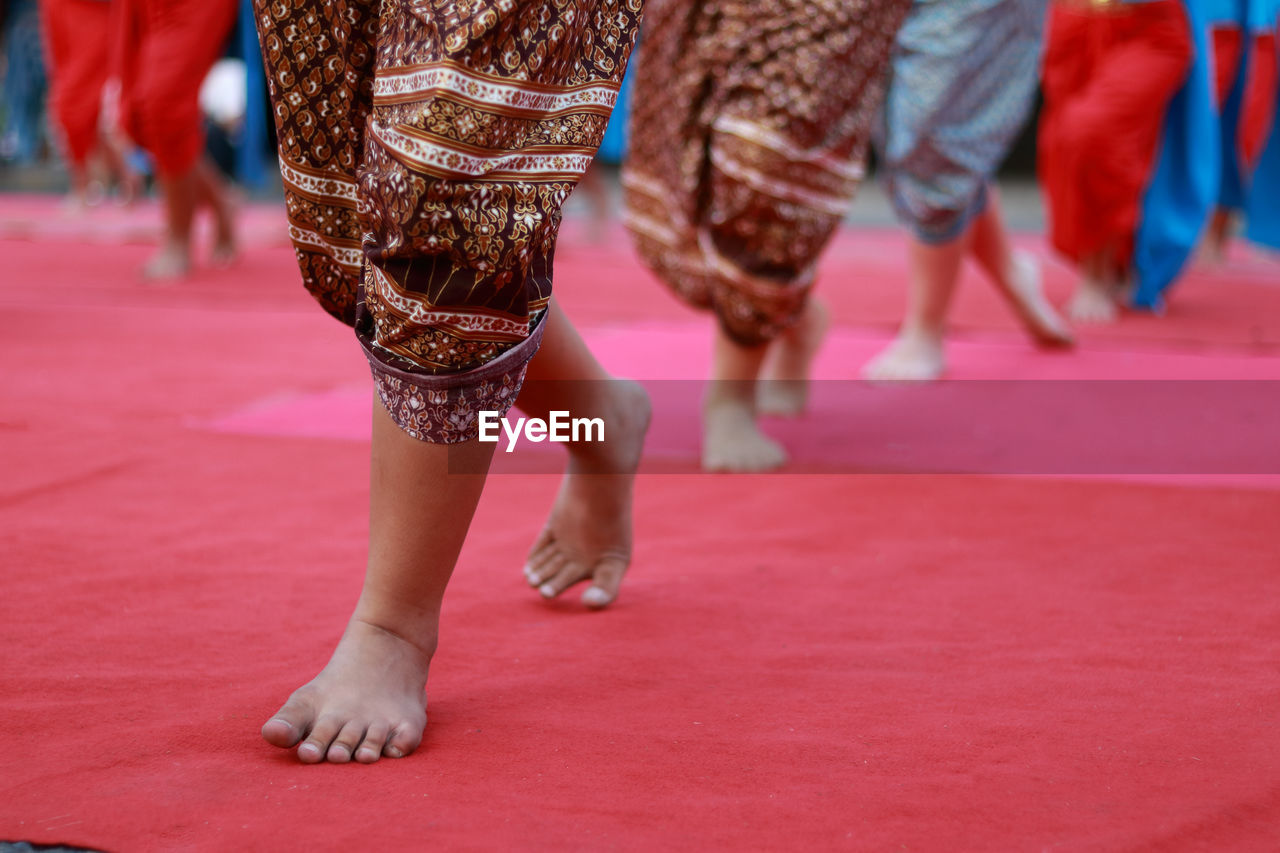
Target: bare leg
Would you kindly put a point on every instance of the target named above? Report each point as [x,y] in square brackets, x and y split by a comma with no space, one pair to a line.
[369,700]
[588,534]
[731,438]
[917,352]
[116,147]
[77,200]
[1016,275]
[214,192]
[127,181]
[593,188]
[1094,300]
[1218,236]
[785,389]
[173,260]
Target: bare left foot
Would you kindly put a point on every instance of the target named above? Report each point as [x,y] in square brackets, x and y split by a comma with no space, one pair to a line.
[588,535]
[783,388]
[1025,293]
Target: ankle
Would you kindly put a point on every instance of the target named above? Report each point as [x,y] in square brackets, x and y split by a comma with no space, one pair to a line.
[625,411]
[730,394]
[416,627]
[177,246]
[924,332]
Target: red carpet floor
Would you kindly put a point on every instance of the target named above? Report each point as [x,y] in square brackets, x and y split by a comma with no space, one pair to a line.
[798,661]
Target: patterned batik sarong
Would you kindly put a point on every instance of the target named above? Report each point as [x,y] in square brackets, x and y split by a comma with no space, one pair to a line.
[748,138]
[426,148]
[962,81]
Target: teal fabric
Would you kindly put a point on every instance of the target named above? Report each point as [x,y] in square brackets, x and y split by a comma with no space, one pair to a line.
[1185,185]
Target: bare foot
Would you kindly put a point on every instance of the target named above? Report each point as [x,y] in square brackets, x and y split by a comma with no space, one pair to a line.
[1093,302]
[784,389]
[588,534]
[1213,252]
[171,262]
[367,702]
[732,440]
[224,252]
[76,204]
[225,248]
[1025,293]
[915,355]
[129,190]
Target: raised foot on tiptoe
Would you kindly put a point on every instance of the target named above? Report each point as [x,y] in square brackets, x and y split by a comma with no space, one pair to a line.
[783,388]
[369,701]
[588,534]
[913,356]
[732,441]
[1025,291]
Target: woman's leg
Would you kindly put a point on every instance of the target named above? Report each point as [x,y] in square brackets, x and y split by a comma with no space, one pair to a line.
[1016,275]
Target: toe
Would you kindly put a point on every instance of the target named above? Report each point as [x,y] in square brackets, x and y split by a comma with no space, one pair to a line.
[404,740]
[313,749]
[344,745]
[280,732]
[543,554]
[375,740]
[548,569]
[606,580]
[288,724]
[545,538]
[569,574]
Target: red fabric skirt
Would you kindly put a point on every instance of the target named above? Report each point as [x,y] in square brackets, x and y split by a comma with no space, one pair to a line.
[164,49]
[77,36]
[1109,74]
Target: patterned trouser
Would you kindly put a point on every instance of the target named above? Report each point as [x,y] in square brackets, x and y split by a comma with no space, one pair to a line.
[164,49]
[961,85]
[426,148]
[749,134]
